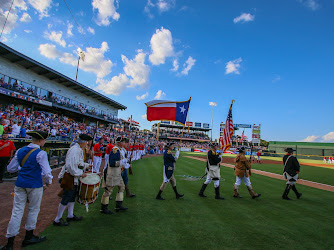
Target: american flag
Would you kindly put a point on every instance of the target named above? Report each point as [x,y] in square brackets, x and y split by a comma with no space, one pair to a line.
[228,131]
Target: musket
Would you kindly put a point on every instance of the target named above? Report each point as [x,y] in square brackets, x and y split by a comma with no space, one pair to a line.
[133,147]
[250,158]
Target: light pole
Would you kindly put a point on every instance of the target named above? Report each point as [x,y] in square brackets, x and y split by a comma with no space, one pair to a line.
[212,104]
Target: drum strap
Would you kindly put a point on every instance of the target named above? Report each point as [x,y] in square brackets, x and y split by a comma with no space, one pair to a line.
[27,156]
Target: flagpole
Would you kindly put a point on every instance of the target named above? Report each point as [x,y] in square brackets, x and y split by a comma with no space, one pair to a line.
[76,76]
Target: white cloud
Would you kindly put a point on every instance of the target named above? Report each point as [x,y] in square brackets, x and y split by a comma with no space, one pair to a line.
[27,31]
[232,67]
[162,6]
[329,137]
[115,86]
[69,29]
[81,30]
[137,69]
[142,97]
[49,51]
[144,117]
[95,62]
[311,138]
[160,94]
[188,65]
[312,4]
[175,65]
[147,8]
[55,37]
[42,6]
[161,46]
[106,10]
[212,103]
[244,17]
[26,18]
[91,30]
[11,21]
[165,5]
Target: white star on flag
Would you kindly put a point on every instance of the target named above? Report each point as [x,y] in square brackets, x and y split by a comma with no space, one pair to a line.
[182,109]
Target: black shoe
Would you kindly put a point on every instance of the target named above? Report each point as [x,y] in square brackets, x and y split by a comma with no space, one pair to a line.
[61,223]
[256,196]
[10,244]
[119,206]
[235,196]
[104,209]
[179,196]
[74,218]
[286,198]
[160,198]
[201,194]
[31,239]
[219,198]
[299,195]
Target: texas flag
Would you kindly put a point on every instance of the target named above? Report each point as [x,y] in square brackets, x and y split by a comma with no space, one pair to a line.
[159,110]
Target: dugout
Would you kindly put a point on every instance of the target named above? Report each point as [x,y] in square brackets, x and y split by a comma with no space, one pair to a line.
[307,150]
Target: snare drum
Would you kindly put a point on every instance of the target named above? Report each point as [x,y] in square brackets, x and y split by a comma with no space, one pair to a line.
[88,188]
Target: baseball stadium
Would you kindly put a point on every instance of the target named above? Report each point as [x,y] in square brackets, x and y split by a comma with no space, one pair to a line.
[103,150]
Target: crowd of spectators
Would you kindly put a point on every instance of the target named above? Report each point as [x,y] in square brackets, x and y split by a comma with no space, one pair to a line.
[18,120]
[177,133]
[41,94]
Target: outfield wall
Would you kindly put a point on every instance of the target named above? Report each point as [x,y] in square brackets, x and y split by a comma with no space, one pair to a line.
[310,150]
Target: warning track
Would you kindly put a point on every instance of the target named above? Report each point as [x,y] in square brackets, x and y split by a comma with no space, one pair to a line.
[277,176]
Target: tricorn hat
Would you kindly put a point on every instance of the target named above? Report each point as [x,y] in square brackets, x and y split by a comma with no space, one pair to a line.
[242,149]
[42,135]
[118,139]
[85,137]
[169,144]
[289,150]
[213,144]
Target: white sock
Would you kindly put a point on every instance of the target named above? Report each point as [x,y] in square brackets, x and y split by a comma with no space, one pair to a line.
[61,210]
[70,209]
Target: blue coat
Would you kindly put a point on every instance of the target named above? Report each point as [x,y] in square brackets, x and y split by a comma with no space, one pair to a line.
[169,161]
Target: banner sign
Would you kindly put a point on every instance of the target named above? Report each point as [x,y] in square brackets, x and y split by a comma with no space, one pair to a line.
[242,125]
[206,125]
[257,136]
[189,124]
[165,122]
[185,149]
[256,131]
[24,97]
[133,121]
[198,124]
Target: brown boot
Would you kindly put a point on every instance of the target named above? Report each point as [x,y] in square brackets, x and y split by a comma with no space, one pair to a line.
[252,193]
[236,191]
[128,193]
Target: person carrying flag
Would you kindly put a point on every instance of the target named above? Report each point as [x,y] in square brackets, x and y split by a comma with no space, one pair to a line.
[168,171]
[212,171]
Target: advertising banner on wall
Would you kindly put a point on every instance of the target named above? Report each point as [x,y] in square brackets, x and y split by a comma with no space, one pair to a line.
[256,134]
[189,124]
[206,125]
[165,122]
[198,124]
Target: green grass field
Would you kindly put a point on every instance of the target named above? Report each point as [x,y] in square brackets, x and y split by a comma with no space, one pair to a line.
[202,223]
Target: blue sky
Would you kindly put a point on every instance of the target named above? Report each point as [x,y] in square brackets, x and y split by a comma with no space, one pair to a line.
[275,58]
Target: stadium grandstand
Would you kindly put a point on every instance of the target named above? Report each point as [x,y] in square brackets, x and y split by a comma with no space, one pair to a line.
[24,81]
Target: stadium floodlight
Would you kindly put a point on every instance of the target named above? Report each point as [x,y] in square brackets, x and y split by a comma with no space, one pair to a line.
[212,104]
[81,55]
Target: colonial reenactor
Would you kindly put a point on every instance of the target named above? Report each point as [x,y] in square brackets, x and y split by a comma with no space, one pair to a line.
[290,173]
[113,177]
[69,175]
[125,175]
[98,151]
[32,164]
[168,171]
[243,171]
[212,171]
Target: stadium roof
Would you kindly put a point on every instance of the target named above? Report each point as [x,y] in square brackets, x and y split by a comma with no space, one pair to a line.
[42,70]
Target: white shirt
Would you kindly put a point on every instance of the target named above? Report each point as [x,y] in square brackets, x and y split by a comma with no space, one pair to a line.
[53,132]
[42,159]
[74,159]
[16,129]
[124,161]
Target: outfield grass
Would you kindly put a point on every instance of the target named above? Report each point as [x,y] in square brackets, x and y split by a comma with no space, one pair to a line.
[316,174]
[202,223]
